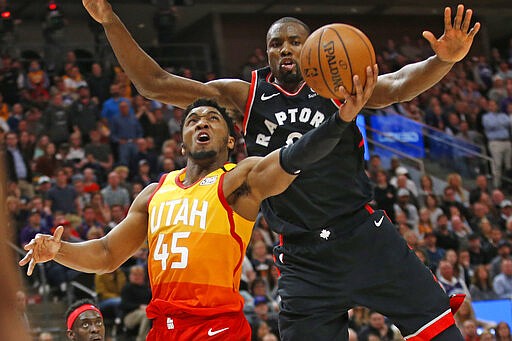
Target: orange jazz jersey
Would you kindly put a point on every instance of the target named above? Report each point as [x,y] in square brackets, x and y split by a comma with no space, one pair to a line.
[197,245]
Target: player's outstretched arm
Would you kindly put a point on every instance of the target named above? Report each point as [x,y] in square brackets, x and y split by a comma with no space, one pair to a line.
[151,80]
[255,179]
[413,79]
[99,255]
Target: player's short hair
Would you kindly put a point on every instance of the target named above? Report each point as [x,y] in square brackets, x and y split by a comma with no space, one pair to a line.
[285,20]
[205,102]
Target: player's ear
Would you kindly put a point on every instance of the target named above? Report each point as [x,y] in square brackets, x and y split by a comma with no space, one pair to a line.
[71,334]
[183,150]
[231,143]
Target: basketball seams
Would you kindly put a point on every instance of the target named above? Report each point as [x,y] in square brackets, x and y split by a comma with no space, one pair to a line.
[368,45]
[348,59]
[319,60]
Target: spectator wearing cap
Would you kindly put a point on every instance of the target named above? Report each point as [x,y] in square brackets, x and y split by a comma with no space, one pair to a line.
[497,92]
[44,184]
[143,153]
[502,283]
[406,182]
[504,252]
[403,205]
[505,213]
[37,203]
[32,228]
[143,175]
[264,313]
[84,112]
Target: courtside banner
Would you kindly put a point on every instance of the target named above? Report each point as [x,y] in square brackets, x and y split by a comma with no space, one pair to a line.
[399,133]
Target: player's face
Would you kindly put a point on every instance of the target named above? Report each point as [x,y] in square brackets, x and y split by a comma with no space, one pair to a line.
[284,43]
[206,134]
[88,326]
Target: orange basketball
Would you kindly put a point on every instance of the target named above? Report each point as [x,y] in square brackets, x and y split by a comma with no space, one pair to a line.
[332,55]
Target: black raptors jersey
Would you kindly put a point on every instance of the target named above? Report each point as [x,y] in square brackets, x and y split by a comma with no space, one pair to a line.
[334,186]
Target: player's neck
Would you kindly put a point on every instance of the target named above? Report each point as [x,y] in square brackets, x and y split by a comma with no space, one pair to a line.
[199,169]
[289,86]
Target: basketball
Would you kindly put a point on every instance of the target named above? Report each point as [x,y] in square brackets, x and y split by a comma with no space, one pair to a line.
[332,55]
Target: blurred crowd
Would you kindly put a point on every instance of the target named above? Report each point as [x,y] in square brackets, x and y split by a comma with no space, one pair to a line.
[80,143]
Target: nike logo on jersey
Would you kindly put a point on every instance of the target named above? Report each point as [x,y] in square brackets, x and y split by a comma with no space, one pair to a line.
[264,98]
[378,223]
[213,333]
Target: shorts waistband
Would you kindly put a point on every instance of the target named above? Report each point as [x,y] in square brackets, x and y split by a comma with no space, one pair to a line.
[168,322]
[343,227]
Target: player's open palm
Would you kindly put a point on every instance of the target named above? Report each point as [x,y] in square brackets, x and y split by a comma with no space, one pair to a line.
[354,103]
[41,249]
[100,10]
[457,38]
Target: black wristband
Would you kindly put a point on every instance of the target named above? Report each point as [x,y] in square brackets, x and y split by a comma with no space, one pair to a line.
[312,146]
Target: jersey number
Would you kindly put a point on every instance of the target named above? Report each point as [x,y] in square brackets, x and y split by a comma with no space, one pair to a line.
[161,253]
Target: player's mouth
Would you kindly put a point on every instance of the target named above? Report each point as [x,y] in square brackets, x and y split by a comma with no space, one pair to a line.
[287,64]
[202,137]
[97,338]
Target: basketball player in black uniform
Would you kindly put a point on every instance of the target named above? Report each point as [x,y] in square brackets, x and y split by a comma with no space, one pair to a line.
[335,251]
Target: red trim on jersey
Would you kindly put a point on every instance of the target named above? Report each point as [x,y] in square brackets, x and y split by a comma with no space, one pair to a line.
[361,143]
[229,211]
[160,183]
[433,328]
[250,100]
[269,79]
[337,102]
[180,184]
[369,209]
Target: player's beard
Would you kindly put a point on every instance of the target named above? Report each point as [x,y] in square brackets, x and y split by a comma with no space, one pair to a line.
[203,154]
[291,77]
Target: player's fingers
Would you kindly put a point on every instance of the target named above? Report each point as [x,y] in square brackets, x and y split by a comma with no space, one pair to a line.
[447,18]
[429,36]
[474,30]
[467,20]
[344,93]
[25,259]
[30,245]
[31,266]
[58,233]
[357,85]
[458,17]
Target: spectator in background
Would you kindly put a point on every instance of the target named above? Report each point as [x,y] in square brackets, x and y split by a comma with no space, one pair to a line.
[18,168]
[469,331]
[450,283]
[481,285]
[135,297]
[9,80]
[109,287]
[88,222]
[497,131]
[497,92]
[403,205]
[98,83]
[502,283]
[159,128]
[56,120]
[434,253]
[33,227]
[111,107]
[84,112]
[481,186]
[377,326]
[62,197]
[431,204]
[113,194]
[125,129]
[47,163]
[45,336]
[99,155]
[503,332]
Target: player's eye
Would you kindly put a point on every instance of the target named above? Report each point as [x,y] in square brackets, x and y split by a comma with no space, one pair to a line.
[85,325]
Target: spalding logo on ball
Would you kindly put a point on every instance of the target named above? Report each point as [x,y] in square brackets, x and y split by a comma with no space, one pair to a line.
[332,55]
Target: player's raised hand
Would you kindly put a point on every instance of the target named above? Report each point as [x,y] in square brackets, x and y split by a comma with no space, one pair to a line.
[354,103]
[41,249]
[457,38]
[100,10]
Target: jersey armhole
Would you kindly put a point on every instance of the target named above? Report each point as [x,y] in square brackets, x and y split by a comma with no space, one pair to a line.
[160,183]
[250,100]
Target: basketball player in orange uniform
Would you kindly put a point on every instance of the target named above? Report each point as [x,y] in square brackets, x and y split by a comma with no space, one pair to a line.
[198,222]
